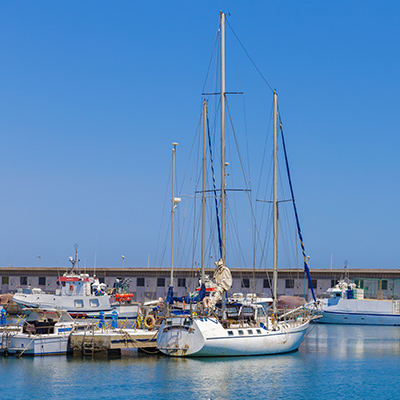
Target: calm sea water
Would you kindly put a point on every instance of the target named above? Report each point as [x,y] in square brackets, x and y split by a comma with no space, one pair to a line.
[336,361]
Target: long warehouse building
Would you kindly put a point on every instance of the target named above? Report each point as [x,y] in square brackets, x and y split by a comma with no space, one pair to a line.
[152,283]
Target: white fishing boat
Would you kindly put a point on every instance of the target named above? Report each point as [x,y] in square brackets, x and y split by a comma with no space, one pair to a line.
[79,294]
[216,328]
[346,305]
[43,333]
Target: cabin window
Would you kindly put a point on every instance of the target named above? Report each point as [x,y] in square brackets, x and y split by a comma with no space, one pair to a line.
[267,284]
[94,302]
[289,283]
[161,282]
[258,331]
[78,303]
[241,332]
[181,282]
[360,283]
[333,282]
[245,283]
[5,280]
[23,280]
[140,282]
[42,281]
[250,332]
[230,333]
[384,284]
[261,312]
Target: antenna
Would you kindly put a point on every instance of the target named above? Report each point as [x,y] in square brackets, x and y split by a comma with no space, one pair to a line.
[75,260]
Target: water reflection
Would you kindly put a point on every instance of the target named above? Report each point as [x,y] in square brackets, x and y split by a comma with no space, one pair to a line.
[344,341]
[333,361]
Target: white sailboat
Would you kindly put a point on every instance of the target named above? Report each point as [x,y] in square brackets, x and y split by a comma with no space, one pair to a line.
[237,329]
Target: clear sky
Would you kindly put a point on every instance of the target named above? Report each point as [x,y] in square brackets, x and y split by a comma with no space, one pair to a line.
[92,93]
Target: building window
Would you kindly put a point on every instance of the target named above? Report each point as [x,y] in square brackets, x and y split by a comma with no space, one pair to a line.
[42,281]
[5,280]
[289,284]
[314,283]
[140,282]
[161,282]
[181,282]
[384,284]
[23,280]
[267,284]
[245,283]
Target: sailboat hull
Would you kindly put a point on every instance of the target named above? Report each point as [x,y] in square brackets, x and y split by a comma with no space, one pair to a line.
[206,337]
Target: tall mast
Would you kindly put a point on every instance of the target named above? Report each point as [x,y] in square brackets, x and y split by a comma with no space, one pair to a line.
[275,208]
[173,206]
[223,176]
[203,226]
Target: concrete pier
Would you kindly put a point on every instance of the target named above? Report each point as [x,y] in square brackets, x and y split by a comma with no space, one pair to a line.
[110,341]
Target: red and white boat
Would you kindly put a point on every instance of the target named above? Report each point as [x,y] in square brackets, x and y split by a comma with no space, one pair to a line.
[80,295]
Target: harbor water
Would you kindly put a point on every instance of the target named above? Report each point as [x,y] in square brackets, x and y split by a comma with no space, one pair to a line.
[334,361]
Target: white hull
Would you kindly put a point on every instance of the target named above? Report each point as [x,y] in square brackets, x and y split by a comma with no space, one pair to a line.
[207,337]
[360,312]
[39,345]
[89,306]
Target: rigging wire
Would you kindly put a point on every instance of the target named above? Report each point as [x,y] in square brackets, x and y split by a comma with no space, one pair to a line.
[306,269]
[245,182]
[211,59]
[215,189]
[248,55]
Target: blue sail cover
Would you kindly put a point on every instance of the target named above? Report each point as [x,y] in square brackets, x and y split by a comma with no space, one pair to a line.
[306,269]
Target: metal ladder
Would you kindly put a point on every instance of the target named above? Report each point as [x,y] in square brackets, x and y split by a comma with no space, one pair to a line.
[88,342]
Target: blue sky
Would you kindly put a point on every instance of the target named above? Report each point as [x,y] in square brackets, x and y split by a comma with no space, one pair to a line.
[93,93]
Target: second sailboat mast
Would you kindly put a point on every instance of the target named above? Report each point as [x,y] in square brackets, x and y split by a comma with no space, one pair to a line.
[223,175]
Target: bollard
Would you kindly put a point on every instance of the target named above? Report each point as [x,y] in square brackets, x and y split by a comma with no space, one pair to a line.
[101,322]
[114,316]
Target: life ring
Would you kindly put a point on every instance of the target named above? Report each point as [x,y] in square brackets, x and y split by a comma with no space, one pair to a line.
[71,288]
[149,322]
[207,302]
